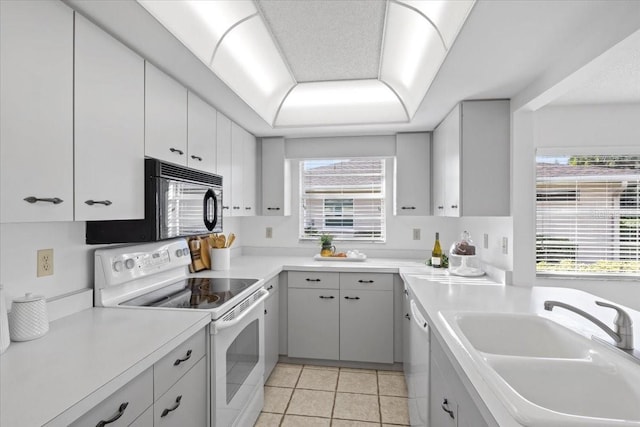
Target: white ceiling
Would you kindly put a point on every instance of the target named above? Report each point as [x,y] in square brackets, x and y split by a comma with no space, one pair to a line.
[327,39]
[503,48]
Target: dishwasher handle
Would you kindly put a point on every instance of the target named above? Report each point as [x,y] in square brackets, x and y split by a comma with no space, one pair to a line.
[417,316]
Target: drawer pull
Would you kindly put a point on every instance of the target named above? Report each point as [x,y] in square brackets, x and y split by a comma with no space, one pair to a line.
[407,316]
[198,158]
[236,207]
[54,200]
[179,361]
[175,150]
[445,408]
[406,292]
[351,297]
[440,207]
[265,311]
[270,287]
[454,206]
[116,417]
[312,280]
[329,297]
[248,208]
[225,207]
[365,281]
[273,209]
[166,411]
[99,202]
[408,207]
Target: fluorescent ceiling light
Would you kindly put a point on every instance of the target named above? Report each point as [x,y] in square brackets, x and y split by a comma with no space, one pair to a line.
[340,102]
[231,38]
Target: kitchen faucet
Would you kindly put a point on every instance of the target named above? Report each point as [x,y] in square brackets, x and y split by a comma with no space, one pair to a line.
[623,335]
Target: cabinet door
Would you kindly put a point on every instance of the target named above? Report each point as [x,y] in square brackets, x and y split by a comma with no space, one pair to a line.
[413,174]
[451,138]
[249,165]
[366,326]
[109,127]
[201,134]
[276,178]
[36,111]
[223,160]
[443,409]
[313,325]
[184,404]
[237,172]
[271,327]
[165,117]
[438,172]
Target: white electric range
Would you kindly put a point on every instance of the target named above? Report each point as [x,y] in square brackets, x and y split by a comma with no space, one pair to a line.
[156,276]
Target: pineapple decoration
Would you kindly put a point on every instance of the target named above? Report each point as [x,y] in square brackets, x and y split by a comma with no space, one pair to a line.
[326,241]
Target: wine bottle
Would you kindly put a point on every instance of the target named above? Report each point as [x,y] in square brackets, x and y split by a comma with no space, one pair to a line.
[436,253]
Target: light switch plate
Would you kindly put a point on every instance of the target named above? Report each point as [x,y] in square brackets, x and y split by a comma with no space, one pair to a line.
[269,233]
[416,234]
[486,241]
[505,245]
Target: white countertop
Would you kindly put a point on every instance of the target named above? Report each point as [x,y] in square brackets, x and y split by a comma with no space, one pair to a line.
[438,293]
[83,359]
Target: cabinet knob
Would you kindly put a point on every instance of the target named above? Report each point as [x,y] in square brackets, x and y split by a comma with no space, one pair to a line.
[54,200]
[445,408]
[273,209]
[175,150]
[98,202]
[198,158]
[116,417]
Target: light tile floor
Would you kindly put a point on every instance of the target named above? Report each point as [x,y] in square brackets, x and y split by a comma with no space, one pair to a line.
[309,396]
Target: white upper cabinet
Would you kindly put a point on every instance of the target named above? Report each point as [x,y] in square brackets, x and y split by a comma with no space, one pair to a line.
[249,166]
[36,111]
[109,127]
[472,160]
[165,117]
[223,159]
[413,174]
[276,178]
[201,134]
[237,173]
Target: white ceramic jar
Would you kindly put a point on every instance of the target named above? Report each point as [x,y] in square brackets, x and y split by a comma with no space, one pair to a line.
[28,318]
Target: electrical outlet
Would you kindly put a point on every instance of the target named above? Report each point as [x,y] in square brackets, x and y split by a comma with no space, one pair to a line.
[45,262]
[416,234]
[505,245]
[486,241]
[269,233]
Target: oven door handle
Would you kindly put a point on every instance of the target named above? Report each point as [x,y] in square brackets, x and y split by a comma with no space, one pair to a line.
[221,324]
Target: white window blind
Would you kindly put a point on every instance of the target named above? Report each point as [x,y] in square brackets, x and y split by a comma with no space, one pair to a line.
[344,198]
[588,215]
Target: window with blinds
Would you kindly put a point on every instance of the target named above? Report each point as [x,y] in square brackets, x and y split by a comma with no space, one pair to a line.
[588,215]
[344,198]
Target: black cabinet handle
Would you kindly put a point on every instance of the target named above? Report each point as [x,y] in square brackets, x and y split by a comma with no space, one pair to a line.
[166,411]
[408,207]
[225,207]
[265,311]
[365,281]
[454,206]
[175,150]
[98,202]
[329,297]
[273,209]
[351,297]
[198,158]
[312,280]
[406,292]
[54,200]
[407,316]
[179,361]
[440,207]
[446,409]
[236,207]
[270,287]
[116,417]
[248,208]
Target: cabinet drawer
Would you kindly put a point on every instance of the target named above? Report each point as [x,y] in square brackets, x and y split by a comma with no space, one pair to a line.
[368,281]
[174,365]
[184,404]
[314,279]
[130,401]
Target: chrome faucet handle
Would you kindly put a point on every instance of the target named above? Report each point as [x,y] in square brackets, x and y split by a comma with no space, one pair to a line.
[623,320]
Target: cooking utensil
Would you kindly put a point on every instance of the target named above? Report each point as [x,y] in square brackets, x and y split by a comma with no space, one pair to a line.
[222,241]
[204,253]
[232,238]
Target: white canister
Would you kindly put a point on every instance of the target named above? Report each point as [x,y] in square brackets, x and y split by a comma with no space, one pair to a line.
[28,318]
[4,323]
[220,258]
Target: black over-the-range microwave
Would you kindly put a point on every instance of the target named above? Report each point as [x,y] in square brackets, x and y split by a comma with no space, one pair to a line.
[179,202]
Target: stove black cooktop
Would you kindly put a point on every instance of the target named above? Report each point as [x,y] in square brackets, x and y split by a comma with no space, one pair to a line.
[196,292]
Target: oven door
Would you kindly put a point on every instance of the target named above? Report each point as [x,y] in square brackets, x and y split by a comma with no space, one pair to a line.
[237,358]
[186,208]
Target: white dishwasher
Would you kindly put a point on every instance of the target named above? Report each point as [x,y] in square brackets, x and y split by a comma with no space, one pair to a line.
[419,367]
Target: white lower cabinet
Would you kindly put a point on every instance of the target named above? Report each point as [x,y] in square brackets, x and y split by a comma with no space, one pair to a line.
[173,392]
[185,403]
[271,326]
[341,316]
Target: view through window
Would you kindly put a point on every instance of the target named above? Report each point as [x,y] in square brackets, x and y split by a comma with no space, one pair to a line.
[588,215]
[344,198]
